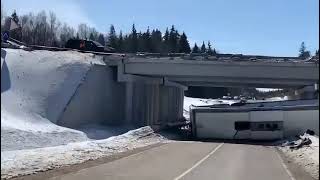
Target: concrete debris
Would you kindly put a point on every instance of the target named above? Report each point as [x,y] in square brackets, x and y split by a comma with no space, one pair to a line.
[304,151]
[303,140]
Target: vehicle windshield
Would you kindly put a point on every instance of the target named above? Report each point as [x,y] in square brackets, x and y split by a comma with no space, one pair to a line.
[97,43]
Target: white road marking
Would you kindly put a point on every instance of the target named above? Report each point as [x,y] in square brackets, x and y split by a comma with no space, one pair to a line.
[198,163]
[285,166]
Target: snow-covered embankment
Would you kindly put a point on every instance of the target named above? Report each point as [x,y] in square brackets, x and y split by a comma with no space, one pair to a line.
[36,88]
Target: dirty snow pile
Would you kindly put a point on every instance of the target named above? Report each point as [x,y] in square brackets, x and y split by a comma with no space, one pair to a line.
[23,162]
[307,156]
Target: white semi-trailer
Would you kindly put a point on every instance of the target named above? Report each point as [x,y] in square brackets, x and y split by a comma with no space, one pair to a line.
[256,121]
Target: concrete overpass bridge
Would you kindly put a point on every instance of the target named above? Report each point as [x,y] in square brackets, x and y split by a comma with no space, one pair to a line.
[217,73]
[155,86]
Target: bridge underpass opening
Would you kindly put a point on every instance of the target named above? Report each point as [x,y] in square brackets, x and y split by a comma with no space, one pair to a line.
[207,92]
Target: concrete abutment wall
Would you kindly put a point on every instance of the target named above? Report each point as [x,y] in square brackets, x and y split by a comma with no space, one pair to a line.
[100,98]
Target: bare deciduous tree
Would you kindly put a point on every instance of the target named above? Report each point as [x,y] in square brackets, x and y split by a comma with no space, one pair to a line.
[83,31]
[66,33]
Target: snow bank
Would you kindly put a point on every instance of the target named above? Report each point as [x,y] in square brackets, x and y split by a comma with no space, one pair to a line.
[277,98]
[97,131]
[24,162]
[35,88]
[307,156]
[37,85]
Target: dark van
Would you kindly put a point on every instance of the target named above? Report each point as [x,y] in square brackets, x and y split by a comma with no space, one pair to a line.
[87,45]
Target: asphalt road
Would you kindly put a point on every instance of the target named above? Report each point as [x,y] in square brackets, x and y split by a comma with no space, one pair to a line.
[193,161]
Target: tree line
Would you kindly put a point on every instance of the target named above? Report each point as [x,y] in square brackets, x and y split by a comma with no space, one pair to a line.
[46,30]
[154,41]
[304,53]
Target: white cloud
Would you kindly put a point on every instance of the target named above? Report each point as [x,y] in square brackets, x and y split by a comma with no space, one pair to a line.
[67,11]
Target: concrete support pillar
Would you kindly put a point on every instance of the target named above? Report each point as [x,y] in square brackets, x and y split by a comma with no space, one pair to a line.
[129,103]
[316,88]
[153,104]
[308,92]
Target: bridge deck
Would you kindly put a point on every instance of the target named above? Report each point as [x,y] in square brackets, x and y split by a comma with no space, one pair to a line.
[225,73]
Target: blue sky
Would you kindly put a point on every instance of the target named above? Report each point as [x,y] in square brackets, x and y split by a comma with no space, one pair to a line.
[265,27]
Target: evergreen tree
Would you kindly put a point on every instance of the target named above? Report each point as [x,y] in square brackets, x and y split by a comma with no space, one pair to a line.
[93,34]
[133,40]
[173,40]
[126,43]
[101,39]
[303,53]
[120,42]
[317,53]
[141,47]
[214,52]
[302,49]
[147,43]
[184,46]
[91,37]
[112,37]
[210,51]
[156,41]
[177,38]
[144,41]
[166,43]
[203,48]
[140,42]
[195,48]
